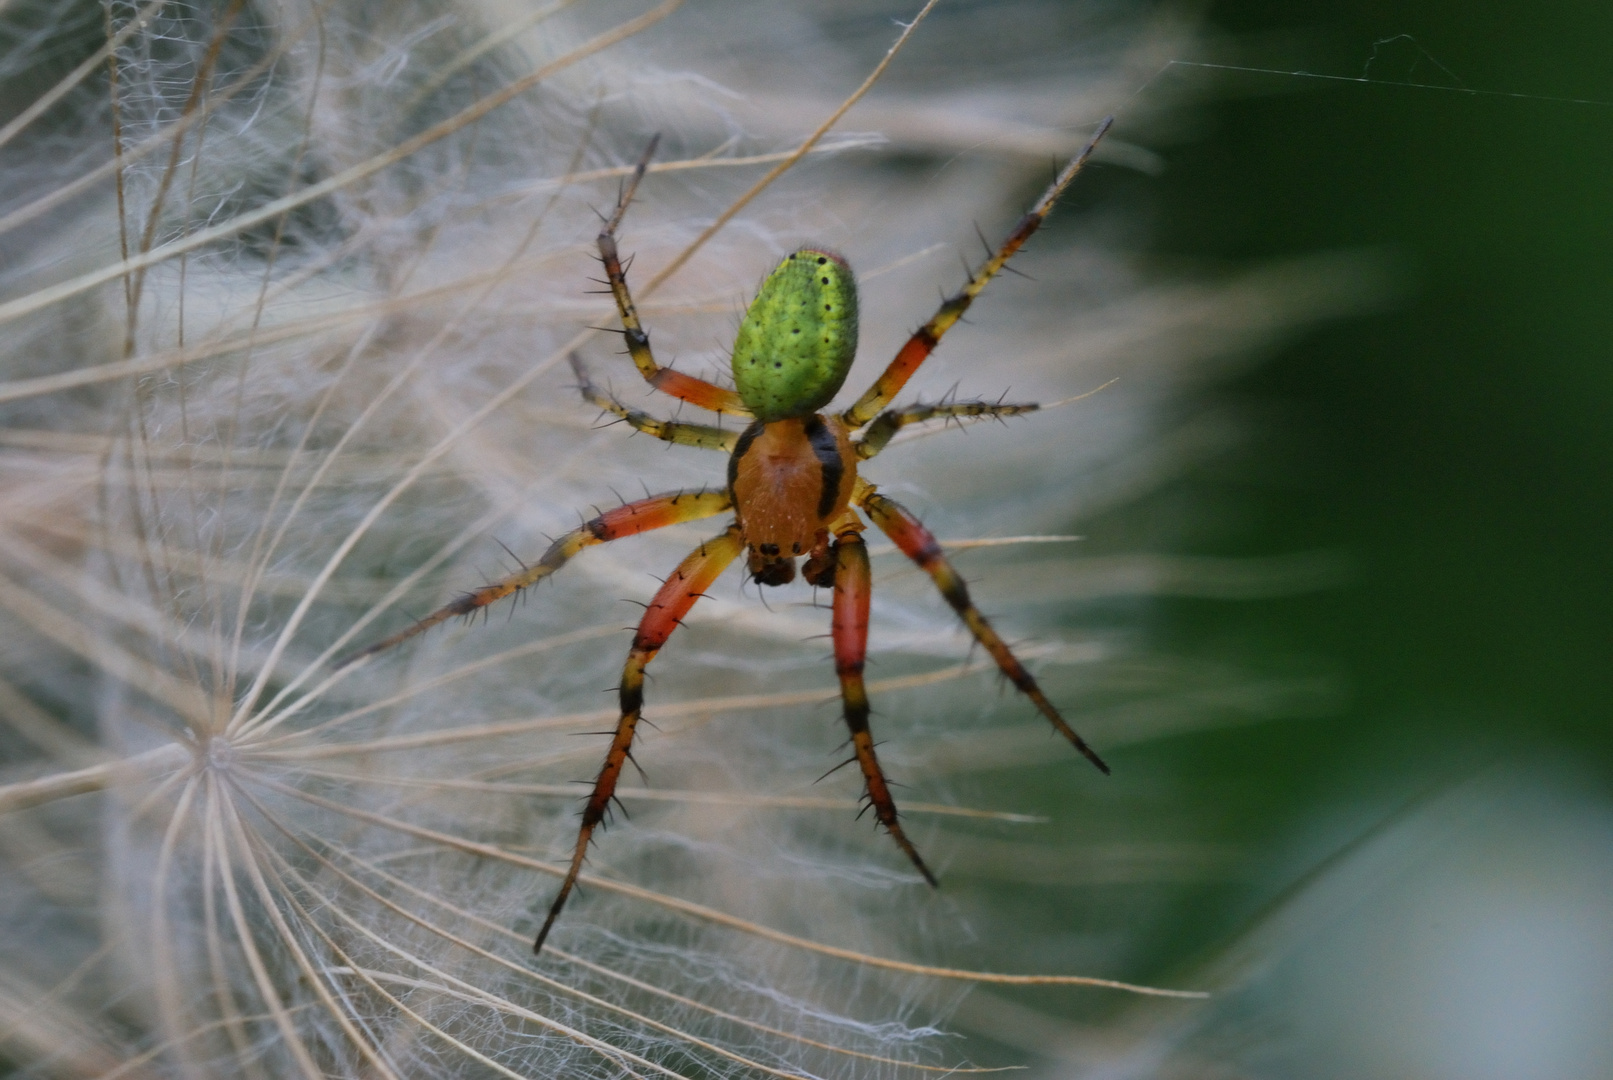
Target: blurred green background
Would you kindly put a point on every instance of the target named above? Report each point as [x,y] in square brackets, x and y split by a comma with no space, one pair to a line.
[1453,443]
[1458,441]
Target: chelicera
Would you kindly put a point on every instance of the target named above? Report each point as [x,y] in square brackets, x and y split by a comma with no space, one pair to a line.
[793,486]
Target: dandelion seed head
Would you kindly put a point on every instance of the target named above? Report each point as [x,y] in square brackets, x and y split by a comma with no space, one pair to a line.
[330,373]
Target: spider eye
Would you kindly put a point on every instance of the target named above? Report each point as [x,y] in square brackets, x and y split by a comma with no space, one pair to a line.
[803,327]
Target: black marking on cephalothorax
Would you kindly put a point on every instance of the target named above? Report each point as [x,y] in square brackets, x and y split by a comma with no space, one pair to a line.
[828,452]
[749,436]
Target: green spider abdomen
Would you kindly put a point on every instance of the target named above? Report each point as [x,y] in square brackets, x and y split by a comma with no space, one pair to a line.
[798,338]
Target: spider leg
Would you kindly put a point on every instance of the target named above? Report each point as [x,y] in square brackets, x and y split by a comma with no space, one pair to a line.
[672,601]
[672,431]
[918,544]
[629,519]
[851,594]
[695,391]
[923,342]
[888,423]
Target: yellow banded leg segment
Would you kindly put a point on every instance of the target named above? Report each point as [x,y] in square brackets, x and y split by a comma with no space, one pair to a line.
[852,591]
[702,435]
[690,389]
[629,519]
[672,602]
[885,427]
[924,340]
[918,544]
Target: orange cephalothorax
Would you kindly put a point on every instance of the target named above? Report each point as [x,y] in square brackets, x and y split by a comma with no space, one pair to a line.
[790,480]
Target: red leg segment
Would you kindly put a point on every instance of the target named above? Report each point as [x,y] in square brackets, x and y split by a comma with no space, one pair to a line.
[922,343]
[851,594]
[630,519]
[690,389]
[672,602]
[919,545]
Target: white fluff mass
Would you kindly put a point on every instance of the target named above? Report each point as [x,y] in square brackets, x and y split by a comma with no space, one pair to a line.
[288,292]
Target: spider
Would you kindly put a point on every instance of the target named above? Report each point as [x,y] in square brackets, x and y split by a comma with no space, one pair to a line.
[792,485]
